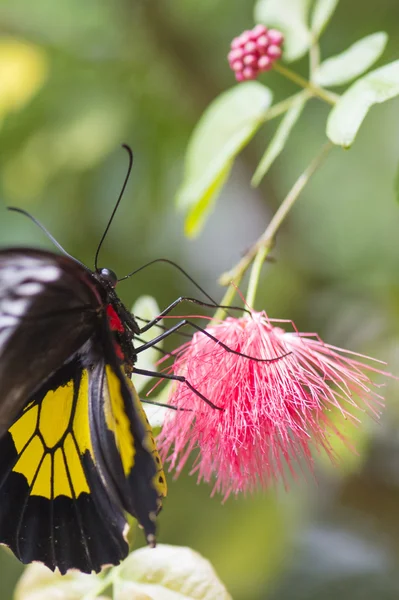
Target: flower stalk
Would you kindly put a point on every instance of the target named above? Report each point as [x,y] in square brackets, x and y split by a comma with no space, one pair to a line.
[281,107]
[255,274]
[315,90]
[265,241]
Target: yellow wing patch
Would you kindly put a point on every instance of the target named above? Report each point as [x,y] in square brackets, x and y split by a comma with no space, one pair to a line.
[22,431]
[81,425]
[60,419]
[42,485]
[117,420]
[55,414]
[52,435]
[159,480]
[30,459]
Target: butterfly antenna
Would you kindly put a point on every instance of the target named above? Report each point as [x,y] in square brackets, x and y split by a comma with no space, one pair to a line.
[45,231]
[179,268]
[129,169]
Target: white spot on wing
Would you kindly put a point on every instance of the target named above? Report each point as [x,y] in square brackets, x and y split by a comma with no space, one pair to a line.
[22,278]
[49,273]
[15,307]
[29,288]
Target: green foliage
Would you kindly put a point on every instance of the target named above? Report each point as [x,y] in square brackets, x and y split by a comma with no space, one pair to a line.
[280,138]
[223,130]
[290,17]
[146,308]
[168,573]
[162,573]
[39,583]
[322,12]
[374,88]
[348,65]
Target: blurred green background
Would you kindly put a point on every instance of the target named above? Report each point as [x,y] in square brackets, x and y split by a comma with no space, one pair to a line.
[79,78]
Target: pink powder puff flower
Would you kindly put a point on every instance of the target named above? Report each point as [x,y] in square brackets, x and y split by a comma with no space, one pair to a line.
[272,412]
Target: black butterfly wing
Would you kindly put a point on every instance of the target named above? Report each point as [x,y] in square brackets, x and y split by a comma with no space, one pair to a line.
[79,454]
[123,440]
[48,307]
[55,506]
[77,449]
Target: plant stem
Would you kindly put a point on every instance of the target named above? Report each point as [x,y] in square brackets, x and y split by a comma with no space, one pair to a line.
[103,584]
[266,239]
[280,108]
[226,300]
[255,274]
[314,58]
[328,97]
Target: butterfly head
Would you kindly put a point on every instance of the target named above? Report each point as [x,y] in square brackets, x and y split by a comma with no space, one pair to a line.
[107,276]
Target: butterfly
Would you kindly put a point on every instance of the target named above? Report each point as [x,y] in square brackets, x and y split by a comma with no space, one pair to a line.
[76,450]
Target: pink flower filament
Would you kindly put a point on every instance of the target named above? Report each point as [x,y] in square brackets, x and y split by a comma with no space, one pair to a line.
[272,412]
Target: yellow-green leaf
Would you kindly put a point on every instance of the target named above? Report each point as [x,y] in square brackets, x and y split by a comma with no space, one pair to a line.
[322,12]
[348,114]
[223,130]
[348,65]
[291,18]
[146,308]
[280,138]
[168,573]
[39,583]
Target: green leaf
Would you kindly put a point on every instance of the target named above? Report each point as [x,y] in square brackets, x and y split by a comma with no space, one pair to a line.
[291,18]
[348,114]
[280,138]
[168,573]
[147,308]
[39,583]
[223,130]
[348,65]
[322,13]
[200,211]
[156,413]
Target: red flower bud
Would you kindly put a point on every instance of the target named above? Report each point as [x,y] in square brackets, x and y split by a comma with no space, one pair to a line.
[265,63]
[254,51]
[249,73]
[250,60]
[275,37]
[237,65]
[274,52]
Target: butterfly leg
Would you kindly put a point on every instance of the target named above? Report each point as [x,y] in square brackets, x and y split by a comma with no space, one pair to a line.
[185,322]
[180,378]
[160,405]
[178,301]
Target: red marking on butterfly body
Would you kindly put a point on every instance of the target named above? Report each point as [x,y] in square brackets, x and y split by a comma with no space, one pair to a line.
[114,321]
[115,325]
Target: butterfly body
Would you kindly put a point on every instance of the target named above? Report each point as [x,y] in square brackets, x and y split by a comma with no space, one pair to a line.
[76,450]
